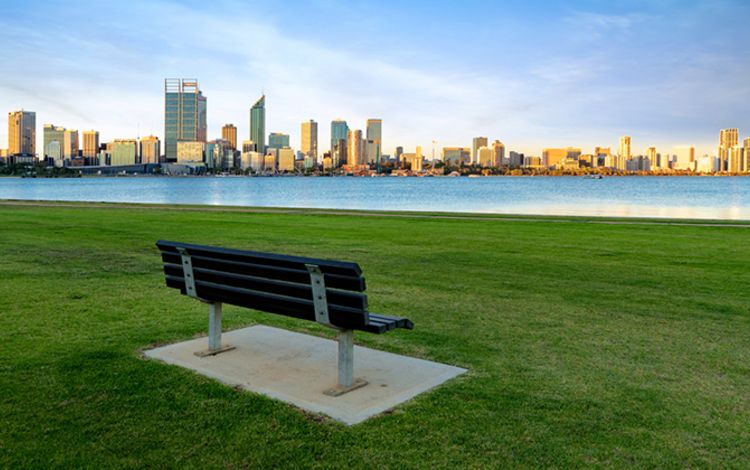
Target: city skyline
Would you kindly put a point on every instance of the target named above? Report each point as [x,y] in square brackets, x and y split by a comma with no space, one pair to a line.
[519,79]
[185,125]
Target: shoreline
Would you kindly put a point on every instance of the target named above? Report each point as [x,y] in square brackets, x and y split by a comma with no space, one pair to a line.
[497,217]
[384,175]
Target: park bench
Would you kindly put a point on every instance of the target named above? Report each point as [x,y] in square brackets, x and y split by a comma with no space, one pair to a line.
[331,293]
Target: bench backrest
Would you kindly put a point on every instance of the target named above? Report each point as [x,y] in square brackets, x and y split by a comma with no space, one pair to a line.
[268,282]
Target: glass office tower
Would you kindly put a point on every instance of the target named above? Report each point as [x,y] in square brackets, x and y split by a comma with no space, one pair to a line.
[184,114]
[339,131]
[258,124]
[374,140]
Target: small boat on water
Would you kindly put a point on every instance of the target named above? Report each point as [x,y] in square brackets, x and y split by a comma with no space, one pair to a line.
[593,177]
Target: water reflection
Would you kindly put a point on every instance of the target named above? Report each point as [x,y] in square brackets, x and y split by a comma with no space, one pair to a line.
[671,197]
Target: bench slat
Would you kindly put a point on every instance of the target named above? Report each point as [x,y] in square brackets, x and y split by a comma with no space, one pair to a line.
[300,276]
[340,268]
[393,322]
[340,316]
[276,284]
[290,289]
[381,323]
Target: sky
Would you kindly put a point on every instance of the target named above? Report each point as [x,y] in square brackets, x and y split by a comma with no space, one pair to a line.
[532,74]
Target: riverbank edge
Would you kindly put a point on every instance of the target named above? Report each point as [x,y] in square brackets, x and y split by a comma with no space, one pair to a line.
[377,213]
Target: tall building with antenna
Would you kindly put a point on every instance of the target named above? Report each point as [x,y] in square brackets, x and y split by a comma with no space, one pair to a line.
[184,114]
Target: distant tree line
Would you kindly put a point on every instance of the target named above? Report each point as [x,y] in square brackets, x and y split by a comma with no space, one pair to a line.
[38,170]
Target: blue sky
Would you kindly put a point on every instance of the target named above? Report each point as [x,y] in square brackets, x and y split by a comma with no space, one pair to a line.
[533,74]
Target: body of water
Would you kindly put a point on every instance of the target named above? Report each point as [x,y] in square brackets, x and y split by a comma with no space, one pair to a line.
[672,197]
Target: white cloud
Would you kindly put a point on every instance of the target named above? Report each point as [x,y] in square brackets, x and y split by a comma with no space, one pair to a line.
[599,24]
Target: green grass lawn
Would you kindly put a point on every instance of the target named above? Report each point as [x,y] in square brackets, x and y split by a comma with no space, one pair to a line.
[587,345]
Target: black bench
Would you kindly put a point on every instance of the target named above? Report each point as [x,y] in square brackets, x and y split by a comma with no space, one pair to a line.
[329,292]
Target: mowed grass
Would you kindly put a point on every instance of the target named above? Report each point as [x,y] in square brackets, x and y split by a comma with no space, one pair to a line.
[587,345]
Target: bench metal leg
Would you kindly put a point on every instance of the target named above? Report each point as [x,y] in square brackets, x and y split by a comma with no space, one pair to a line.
[214,332]
[347,383]
[214,326]
[346,358]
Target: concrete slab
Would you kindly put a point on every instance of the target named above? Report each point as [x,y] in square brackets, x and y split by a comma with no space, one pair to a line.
[297,369]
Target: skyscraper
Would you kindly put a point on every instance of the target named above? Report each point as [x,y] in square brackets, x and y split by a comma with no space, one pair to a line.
[339,141]
[229,133]
[184,114]
[625,151]
[747,156]
[90,144]
[374,140]
[21,133]
[70,144]
[736,157]
[258,124]
[309,136]
[355,153]
[477,143]
[728,138]
[499,149]
[653,157]
[339,131]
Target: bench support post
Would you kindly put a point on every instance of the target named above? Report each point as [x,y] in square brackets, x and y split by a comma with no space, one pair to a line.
[346,337]
[346,358]
[214,332]
[214,326]
[347,382]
